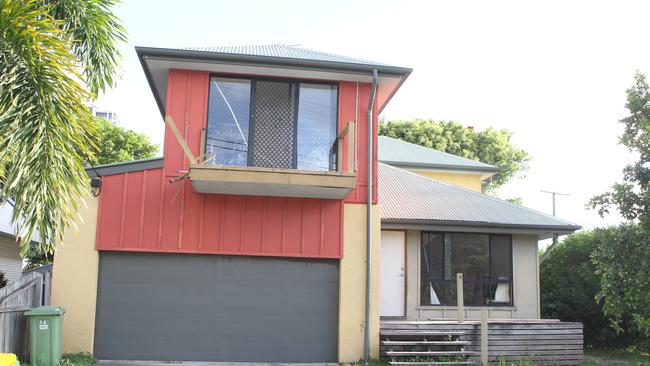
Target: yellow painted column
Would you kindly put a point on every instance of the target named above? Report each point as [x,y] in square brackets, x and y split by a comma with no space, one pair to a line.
[352,286]
[74,280]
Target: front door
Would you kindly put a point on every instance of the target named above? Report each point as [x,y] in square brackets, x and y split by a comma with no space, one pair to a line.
[393,263]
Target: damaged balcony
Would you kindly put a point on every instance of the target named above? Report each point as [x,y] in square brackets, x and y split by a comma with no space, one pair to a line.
[274,138]
[271,181]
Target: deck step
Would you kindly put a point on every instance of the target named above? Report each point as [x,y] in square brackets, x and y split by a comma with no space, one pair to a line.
[432,363]
[416,332]
[424,343]
[430,353]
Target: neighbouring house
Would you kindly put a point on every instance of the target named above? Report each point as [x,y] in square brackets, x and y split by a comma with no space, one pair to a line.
[435,164]
[11,263]
[249,239]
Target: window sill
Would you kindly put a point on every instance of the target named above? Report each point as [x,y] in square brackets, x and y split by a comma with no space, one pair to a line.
[254,181]
[467,307]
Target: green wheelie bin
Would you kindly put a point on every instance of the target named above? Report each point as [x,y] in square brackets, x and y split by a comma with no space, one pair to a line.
[45,335]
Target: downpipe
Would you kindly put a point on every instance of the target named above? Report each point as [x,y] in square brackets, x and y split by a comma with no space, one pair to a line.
[371,104]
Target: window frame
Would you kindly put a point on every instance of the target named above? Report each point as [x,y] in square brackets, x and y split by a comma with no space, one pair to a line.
[453,280]
[251,125]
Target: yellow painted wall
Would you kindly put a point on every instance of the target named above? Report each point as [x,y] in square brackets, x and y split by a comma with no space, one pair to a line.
[469,181]
[352,284]
[74,281]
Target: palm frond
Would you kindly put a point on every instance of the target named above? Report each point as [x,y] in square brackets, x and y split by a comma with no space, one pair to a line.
[45,128]
[95,32]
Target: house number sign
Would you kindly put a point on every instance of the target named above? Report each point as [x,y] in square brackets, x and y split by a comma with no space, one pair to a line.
[42,325]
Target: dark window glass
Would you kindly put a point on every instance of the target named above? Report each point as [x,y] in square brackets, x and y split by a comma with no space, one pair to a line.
[484,260]
[228,121]
[316,126]
[469,256]
[500,269]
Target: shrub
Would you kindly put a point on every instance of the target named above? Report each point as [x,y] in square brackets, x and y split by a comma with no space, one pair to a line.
[3,280]
[569,286]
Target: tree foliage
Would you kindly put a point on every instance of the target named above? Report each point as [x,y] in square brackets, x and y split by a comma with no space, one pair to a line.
[569,286]
[622,261]
[116,144]
[489,146]
[54,56]
[631,197]
[623,267]
[3,280]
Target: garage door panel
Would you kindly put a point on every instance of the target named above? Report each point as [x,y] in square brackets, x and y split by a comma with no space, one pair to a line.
[216,308]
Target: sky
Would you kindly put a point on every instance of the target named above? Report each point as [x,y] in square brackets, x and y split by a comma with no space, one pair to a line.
[552,72]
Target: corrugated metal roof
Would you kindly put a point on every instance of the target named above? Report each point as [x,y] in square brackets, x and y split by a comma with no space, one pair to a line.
[407,197]
[401,153]
[285,51]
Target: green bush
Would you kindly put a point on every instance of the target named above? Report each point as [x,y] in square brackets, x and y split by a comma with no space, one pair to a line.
[569,286]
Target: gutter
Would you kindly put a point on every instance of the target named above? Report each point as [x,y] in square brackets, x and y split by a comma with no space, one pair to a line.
[145,52]
[560,229]
[412,165]
[371,104]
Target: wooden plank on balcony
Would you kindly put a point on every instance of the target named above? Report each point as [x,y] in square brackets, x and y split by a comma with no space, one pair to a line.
[219,179]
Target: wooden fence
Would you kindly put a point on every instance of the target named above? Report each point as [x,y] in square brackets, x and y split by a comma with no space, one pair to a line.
[32,290]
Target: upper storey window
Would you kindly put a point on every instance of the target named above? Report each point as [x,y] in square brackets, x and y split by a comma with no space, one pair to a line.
[272,124]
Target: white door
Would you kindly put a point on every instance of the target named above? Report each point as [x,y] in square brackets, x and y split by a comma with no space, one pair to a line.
[393,262]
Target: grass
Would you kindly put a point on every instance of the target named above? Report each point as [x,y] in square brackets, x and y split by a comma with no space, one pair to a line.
[74,359]
[630,356]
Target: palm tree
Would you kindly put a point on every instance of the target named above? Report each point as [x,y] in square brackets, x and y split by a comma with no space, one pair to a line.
[55,56]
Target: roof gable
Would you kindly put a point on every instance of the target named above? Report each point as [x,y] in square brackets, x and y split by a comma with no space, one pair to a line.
[401,153]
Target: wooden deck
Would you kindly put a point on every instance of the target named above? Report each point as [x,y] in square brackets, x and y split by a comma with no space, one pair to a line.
[544,342]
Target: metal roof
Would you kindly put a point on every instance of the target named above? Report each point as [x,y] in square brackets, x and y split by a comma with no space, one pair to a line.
[409,198]
[272,60]
[285,52]
[124,167]
[401,153]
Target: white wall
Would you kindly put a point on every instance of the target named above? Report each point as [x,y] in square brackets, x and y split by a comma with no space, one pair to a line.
[10,261]
[525,284]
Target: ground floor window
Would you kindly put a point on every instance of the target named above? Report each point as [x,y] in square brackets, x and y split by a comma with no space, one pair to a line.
[485,260]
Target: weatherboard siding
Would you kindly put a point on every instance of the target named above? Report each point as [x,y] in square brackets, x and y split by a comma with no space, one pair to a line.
[11,263]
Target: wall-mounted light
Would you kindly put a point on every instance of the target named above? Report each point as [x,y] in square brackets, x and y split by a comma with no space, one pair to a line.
[96,186]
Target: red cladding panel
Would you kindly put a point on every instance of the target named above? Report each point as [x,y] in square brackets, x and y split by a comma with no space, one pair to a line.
[131,219]
[348,111]
[142,211]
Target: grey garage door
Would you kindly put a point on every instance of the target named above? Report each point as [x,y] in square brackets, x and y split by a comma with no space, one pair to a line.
[180,307]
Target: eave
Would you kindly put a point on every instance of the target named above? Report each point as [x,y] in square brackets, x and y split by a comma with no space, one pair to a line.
[156,63]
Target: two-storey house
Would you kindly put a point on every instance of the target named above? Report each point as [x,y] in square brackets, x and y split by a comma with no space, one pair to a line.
[255,236]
